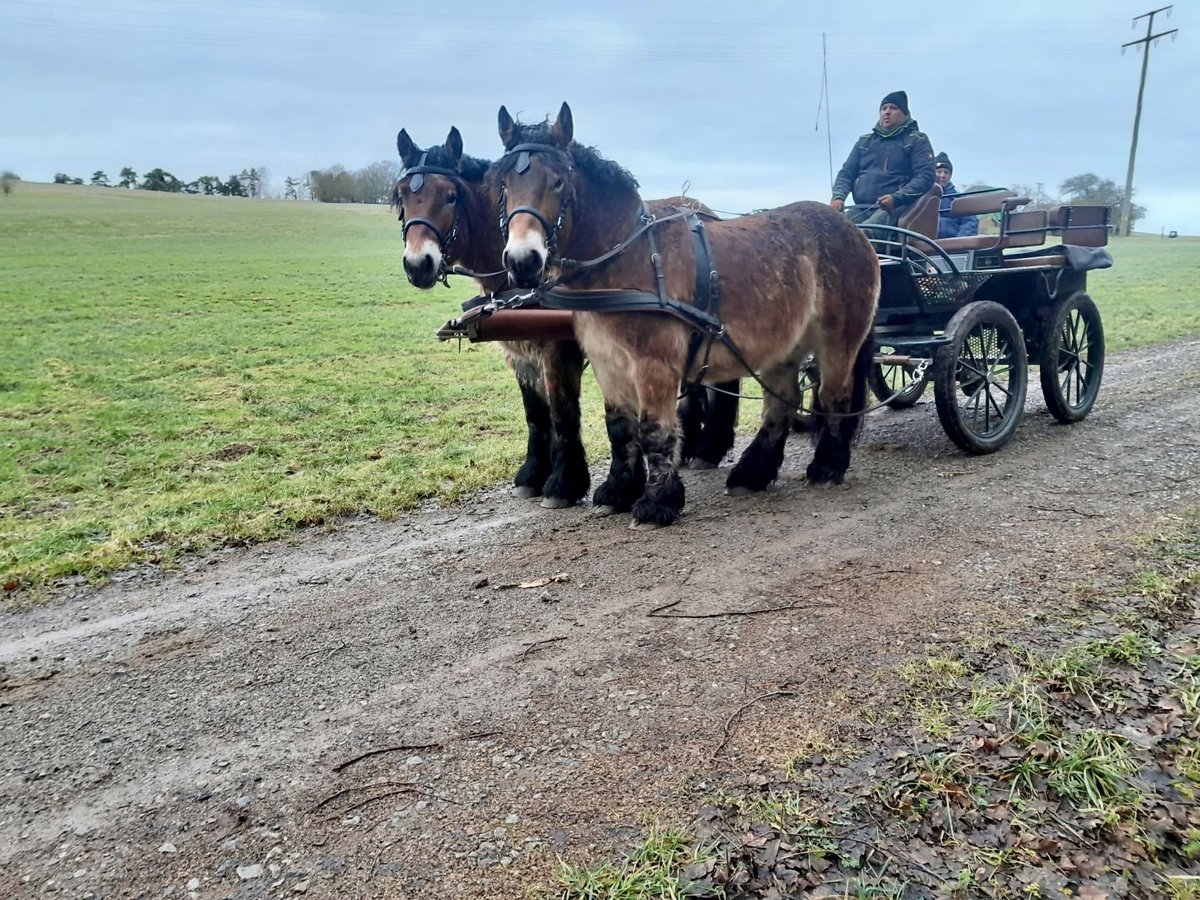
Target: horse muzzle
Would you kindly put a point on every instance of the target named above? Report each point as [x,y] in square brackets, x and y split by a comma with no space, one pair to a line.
[421,269]
[525,266]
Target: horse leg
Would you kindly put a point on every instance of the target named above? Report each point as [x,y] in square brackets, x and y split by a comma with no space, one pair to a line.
[626,472]
[562,366]
[843,390]
[721,417]
[531,476]
[662,501]
[760,462]
[693,410]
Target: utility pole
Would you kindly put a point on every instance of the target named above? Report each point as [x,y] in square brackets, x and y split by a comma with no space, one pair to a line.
[1127,200]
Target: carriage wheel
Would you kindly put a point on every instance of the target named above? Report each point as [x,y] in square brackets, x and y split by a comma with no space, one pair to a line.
[809,381]
[886,381]
[1071,359]
[980,377]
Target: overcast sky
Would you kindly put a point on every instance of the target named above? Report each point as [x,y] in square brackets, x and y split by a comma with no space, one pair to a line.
[724,95]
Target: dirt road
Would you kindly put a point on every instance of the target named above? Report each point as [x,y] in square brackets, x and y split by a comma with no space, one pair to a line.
[195,731]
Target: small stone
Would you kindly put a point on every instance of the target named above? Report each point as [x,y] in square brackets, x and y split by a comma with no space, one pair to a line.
[414,761]
[193,884]
[512,819]
[300,887]
[247,873]
[168,847]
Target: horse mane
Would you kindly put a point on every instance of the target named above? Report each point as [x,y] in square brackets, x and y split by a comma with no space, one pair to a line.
[605,174]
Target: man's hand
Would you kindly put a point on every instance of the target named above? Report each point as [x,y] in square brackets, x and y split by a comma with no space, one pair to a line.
[887,202]
[837,203]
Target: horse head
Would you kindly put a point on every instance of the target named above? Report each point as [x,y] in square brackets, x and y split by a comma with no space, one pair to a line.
[532,187]
[428,194]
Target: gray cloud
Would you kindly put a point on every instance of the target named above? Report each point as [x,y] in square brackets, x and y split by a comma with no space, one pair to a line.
[719,94]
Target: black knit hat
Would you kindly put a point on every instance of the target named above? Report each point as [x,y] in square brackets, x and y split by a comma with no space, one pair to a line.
[942,161]
[898,99]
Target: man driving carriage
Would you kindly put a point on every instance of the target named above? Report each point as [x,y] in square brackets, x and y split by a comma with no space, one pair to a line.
[889,168]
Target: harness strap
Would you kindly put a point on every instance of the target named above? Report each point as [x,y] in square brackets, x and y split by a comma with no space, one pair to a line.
[574,266]
[706,294]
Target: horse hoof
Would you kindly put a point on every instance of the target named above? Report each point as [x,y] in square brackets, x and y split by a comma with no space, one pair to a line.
[603,510]
[635,525]
[739,491]
[556,503]
[696,464]
[525,492]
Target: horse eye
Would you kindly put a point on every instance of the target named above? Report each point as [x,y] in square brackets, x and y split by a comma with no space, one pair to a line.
[452,198]
[559,184]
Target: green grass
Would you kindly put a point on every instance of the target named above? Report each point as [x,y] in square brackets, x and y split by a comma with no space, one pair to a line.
[650,872]
[1149,294]
[184,372]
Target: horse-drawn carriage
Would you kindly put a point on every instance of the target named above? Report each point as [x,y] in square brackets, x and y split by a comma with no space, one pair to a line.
[972,313]
[968,314]
[656,294]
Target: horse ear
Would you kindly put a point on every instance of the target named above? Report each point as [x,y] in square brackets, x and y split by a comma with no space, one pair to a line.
[409,154]
[564,125]
[507,127]
[454,145]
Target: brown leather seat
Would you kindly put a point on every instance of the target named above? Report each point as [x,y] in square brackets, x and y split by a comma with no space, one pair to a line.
[1083,226]
[922,215]
[1018,229]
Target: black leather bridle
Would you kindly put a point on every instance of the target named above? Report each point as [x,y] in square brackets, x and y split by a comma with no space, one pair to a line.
[417,173]
[523,152]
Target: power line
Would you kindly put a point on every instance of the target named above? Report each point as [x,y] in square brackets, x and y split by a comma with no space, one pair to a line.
[1127,200]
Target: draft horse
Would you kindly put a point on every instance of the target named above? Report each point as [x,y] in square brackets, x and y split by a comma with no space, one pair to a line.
[449,221]
[792,281]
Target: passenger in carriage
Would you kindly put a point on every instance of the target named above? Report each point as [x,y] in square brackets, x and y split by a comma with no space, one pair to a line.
[889,168]
[951,226]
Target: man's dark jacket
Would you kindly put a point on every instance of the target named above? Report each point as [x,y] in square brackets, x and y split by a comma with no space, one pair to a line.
[952,226]
[899,163]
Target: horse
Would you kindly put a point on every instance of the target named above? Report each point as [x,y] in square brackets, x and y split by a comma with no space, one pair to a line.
[793,281]
[449,221]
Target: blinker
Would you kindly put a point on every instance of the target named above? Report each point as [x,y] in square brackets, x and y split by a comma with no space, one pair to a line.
[522,162]
[417,181]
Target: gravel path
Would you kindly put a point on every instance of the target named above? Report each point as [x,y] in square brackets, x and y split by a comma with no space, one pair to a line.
[194,732]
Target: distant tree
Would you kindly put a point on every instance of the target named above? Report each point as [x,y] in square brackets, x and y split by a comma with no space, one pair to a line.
[128,178]
[62,178]
[8,180]
[1092,190]
[374,183]
[254,181]
[333,185]
[158,180]
[233,187]
[289,188]
[99,179]
[208,185]
[76,181]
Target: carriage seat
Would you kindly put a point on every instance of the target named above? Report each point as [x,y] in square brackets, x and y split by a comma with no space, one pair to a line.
[922,215]
[1017,229]
[1083,226]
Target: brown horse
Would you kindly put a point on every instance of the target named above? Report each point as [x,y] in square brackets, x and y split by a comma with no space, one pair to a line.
[449,221]
[796,280]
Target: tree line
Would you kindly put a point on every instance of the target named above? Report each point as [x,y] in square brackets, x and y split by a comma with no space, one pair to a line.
[336,184]
[373,184]
[247,183]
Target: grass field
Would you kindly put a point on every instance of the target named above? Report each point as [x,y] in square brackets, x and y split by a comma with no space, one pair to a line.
[183,372]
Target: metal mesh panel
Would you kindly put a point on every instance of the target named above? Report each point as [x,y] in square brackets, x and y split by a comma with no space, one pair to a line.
[949,289]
